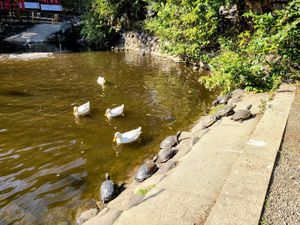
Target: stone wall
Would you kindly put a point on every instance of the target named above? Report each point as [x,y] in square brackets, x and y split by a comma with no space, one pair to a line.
[138,42]
[146,44]
[141,42]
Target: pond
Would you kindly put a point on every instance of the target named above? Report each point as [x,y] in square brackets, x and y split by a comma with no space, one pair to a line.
[49,163]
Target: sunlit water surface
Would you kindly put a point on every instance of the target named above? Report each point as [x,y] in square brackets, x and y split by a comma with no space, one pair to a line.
[49,164]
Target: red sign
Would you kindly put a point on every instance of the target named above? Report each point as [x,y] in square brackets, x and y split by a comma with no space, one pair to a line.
[11,5]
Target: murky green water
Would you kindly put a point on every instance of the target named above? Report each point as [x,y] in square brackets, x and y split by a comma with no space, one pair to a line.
[49,164]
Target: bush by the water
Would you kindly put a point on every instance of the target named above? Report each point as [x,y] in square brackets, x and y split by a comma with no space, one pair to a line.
[258,60]
[253,50]
[187,28]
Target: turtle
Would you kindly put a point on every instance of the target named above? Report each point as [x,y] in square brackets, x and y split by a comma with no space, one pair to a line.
[146,170]
[170,141]
[226,111]
[165,154]
[222,99]
[107,190]
[216,101]
[210,121]
[242,114]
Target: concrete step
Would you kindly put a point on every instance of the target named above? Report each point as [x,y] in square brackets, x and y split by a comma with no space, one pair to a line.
[242,197]
[189,192]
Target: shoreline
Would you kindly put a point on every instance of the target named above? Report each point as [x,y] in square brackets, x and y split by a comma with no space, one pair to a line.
[142,202]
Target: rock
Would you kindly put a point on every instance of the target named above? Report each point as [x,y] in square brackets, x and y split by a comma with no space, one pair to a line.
[86,215]
[230,13]
[183,148]
[233,100]
[86,211]
[66,27]
[107,219]
[272,58]
[126,200]
[155,39]
[143,52]
[166,167]
[185,135]
[237,93]
[64,223]
[103,211]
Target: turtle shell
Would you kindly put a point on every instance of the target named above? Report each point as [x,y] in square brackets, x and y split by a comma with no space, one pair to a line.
[170,141]
[107,191]
[165,154]
[226,111]
[242,114]
[216,101]
[146,170]
[211,120]
[224,99]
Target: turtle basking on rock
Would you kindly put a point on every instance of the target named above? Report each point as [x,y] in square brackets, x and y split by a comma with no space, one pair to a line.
[165,154]
[222,99]
[210,121]
[107,190]
[146,170]
[227,110]
[242,114]
[170,141]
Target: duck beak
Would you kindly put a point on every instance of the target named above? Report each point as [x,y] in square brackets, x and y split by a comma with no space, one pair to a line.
[105,114]
[114,140]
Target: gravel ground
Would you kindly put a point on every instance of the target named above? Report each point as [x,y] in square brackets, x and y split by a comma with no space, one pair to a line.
[282,205]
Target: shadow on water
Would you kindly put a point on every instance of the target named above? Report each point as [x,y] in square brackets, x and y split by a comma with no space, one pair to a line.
[16,93]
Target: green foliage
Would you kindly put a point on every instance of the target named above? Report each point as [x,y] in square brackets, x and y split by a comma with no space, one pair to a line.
[259,61]
[104,17]
[122,13]
[186,28]
[96,30]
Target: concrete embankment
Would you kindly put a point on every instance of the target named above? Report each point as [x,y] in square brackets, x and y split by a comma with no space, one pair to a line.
[219,175]
[35,34]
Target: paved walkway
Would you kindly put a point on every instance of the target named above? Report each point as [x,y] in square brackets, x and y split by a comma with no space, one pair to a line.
[36,33]
[282,205]
[221,175]
[243,195]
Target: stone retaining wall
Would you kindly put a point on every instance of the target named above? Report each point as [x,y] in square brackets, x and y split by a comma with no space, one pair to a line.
[147,44]
[141,42]
[138,42]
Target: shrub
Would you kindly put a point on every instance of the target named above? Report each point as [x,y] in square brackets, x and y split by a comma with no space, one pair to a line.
[96,30]
[186,28]
[259,61]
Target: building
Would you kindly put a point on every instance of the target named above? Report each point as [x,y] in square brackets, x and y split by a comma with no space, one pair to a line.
[34,10]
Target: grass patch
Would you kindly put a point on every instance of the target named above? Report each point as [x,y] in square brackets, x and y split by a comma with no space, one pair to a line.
[262,106]
[215,109]
[263,222]
[144,191]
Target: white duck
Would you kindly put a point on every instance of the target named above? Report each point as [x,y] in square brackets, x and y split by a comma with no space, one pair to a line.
[101,81]
[127,137]
[82,110]
[118,111]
